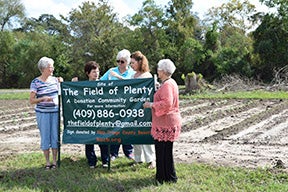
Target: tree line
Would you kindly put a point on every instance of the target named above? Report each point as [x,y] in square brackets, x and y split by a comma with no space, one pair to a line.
[231,39]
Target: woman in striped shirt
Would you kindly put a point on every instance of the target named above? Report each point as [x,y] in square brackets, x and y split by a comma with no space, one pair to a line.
[44,93]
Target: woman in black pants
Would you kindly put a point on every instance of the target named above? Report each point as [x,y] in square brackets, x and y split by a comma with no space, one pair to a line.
[166,121]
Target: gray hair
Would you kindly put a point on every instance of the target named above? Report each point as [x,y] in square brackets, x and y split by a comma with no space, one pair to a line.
[125,54]
[44,63]
[167,66]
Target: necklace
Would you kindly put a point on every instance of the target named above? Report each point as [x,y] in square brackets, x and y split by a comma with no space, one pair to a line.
[165,80]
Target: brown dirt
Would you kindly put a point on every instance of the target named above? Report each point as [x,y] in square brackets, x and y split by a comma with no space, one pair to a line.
[242,133]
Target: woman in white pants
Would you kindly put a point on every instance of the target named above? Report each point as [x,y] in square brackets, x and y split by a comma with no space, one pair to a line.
[139,63]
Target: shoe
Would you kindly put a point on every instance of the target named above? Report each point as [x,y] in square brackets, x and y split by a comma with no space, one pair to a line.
[152,165]
[105,165]
[92,167]
[112,158]
[47,167]
[53,166]
[158,182]
[134,164]
[131,156]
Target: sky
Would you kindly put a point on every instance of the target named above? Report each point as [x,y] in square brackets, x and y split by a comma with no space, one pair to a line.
[34,8]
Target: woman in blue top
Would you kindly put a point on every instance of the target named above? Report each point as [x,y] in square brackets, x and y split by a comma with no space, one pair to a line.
[44,93]
[122,71]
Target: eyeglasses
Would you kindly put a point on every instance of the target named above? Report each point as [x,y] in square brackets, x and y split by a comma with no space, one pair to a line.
[120,61]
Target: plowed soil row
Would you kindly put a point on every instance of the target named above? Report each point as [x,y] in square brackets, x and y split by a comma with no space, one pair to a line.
[244,133]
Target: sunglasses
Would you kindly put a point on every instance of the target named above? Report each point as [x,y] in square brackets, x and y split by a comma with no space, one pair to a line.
[120,61]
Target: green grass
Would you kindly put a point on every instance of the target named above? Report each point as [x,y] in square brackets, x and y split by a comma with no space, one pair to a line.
[11,94]
[26,172]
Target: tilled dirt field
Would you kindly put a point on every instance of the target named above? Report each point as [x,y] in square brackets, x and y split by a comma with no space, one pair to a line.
[244,133]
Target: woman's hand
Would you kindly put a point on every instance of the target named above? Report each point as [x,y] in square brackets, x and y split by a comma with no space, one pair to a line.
[148,104]
[60,79]
[74,79]
[46,99]
[114,74]
[34,100]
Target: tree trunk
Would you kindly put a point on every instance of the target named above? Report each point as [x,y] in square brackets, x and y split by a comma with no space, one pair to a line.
[191,82]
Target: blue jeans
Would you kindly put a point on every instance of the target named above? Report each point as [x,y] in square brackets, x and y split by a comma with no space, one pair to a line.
[47,123]
[90,154]
[104,154]
[127,149]
[114,151]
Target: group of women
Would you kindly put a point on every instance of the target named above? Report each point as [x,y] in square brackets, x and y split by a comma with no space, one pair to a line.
[166,119]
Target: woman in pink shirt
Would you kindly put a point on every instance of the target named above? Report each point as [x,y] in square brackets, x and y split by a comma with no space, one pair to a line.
[166,121]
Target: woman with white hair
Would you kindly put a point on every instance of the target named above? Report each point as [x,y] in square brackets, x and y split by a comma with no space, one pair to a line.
[122,71]
[166,121]
[44,93]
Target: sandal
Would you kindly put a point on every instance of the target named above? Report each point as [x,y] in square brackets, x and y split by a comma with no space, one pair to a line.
[53,166]
[47,167]
[152,165]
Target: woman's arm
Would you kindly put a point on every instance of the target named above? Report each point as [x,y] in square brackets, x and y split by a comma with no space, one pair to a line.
[34,100]
[165,99]
[114,74]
